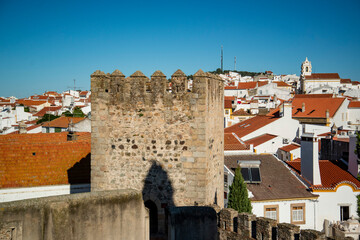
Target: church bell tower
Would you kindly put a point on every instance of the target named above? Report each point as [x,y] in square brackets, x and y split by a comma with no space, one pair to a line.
[306,68]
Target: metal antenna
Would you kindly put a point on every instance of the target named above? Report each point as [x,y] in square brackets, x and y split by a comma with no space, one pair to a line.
[222,69]
[235,64]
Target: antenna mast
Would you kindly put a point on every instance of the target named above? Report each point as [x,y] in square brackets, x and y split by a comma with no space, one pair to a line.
[235,64]
[222,69]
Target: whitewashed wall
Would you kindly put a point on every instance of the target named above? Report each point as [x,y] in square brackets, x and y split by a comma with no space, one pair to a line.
[15,194]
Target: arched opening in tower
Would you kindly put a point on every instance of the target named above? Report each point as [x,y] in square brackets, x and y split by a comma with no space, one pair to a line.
[153,212]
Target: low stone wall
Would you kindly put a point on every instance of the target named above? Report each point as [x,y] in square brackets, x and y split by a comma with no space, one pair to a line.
[195,223]
[118,214]
[234,226]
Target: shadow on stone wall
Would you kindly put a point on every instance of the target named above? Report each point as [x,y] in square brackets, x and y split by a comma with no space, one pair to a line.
[80,173]
[158,197]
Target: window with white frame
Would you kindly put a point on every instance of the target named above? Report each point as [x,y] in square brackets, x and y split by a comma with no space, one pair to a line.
[272,212]
[298,213]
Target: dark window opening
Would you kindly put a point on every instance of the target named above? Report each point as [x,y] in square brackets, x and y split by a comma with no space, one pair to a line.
[344,213]
[153,212]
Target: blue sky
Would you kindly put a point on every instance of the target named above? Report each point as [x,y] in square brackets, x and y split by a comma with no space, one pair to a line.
[44,45]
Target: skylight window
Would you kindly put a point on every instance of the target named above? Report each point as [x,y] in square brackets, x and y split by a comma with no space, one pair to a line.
[250,170]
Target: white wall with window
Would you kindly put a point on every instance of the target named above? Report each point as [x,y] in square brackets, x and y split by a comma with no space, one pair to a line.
[301,212]
[337,206]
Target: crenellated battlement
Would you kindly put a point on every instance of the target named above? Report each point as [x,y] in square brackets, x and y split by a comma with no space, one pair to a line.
[137,89]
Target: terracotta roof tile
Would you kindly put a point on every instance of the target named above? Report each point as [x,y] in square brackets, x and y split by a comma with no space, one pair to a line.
[241,112]
[45,110]
[315,107]
[343,81]
[282,84]
[63,122]
[231,98]
[323,76]
[38,159]
[227,104]
[290,147]
[354,104]
[313,95]
[245,127]
[260,139]
[27,102]
[331,175]
[232,143]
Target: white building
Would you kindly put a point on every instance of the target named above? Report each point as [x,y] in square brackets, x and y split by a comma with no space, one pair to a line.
[273,190]
[337,189]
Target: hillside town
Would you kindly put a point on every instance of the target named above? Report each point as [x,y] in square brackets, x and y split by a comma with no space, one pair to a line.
[294,138]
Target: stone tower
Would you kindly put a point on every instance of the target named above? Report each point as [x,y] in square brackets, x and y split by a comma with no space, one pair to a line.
[167,143]
[306,70]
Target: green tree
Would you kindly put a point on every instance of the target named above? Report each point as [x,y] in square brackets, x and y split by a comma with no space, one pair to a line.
[76,113]
[358,205]
[357,147]
[47,118]
[238,197]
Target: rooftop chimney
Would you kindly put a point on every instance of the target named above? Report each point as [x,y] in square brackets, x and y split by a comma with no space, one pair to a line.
[287,110]
[310,169]
[303,107]
[22,128]
[353,158]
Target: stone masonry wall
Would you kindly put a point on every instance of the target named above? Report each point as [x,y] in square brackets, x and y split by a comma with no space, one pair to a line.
[167,144]
[118,214]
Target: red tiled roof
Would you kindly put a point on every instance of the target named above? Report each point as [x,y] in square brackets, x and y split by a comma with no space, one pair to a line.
[331,175]
[282,84]
[43,111]
[227,104]
[231,98]
[348,80]
[313,96]
[83,93]
[354,104]
[260,139]
[323,76]
[246,127]
[63,122]
[247,85]
[355,83]
[290,147]
[51,93]
[39,159]
[315,107]
[241,112]
[28,128]
[232,143]
[39,97]
[27,102]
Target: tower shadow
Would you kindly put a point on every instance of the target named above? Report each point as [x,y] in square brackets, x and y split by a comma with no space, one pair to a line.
[158,197]
[79,175]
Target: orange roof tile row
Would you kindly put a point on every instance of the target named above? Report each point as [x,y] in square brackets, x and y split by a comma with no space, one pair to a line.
[227,104]
[354,104]
[63,122]
[343,81]
[231,98]
[331,175]
[256,141]
[39,159]
[323,76]
[231,143]
[327,95]
[247,85]
[315,107]
[241,112]
[245,127]
[290,147]
[282,84]
[28,102]
[45,110]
